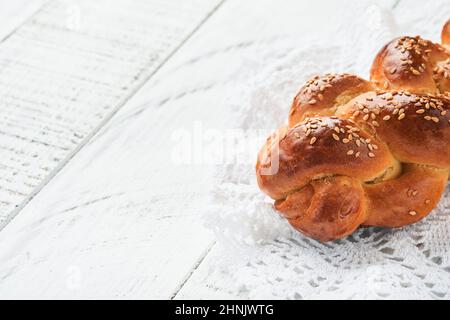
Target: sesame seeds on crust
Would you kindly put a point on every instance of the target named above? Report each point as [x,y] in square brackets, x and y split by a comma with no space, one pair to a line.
[393,105]
[337,131]
[415,54]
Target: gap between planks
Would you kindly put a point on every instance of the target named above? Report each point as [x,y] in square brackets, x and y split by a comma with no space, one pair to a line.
[20,25]
[107,118]
[196,266]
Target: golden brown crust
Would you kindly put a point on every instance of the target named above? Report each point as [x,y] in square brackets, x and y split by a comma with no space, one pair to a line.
[407,199]
[364,153]
[445,35]
[415,127]
[326,209]
[320,147]
[412,64]
[322,94]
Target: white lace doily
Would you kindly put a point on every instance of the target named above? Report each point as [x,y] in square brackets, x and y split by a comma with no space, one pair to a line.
[262,256]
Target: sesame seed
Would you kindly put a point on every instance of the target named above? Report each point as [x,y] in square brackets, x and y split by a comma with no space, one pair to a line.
[400,117]
[435,119]
[313,139]
[420,111]
[350,152]
[345,140]
[412,213]
[296,134]
[335,137]
[312,101]
[386,118]
[357,154]
[336,129]
[371,155]
[427,201]
[366,117]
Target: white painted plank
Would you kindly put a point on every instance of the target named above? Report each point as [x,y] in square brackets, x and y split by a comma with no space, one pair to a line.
[15,13]
[68,69]
[131,210]
[122,219]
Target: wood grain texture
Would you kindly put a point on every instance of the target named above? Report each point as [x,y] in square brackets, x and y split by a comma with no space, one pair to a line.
[123,226]
[67,70]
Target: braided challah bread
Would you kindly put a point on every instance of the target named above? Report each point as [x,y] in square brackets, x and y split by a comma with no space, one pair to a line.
[354,153]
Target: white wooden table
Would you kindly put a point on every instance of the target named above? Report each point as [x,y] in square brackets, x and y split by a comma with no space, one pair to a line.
[90,93]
